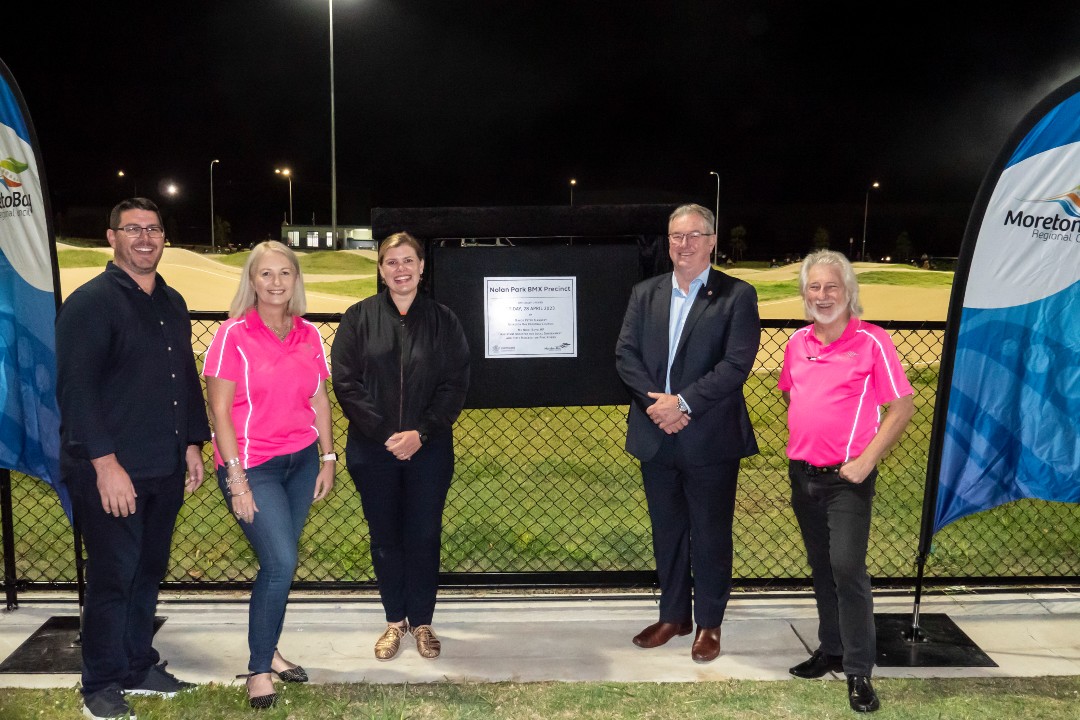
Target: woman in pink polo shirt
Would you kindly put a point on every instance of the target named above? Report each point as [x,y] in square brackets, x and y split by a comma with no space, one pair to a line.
[266,377]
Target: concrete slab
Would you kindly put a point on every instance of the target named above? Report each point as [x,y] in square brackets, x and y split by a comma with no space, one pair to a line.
[568,638]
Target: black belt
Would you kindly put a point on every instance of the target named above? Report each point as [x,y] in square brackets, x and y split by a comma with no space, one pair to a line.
[813,470]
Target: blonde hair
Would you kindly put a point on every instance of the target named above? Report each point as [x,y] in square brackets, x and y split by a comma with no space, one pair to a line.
[245,298]
[847,276]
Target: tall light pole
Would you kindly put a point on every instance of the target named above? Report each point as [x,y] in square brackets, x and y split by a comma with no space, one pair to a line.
[212,204]
[287,174]
[333,143]
[866,211]
[573,182]
[716,217]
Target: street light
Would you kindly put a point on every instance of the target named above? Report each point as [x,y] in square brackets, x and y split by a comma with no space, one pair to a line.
[573,182]
[287,173]
[716,218]
[333,144]
[866,211]
[212,204]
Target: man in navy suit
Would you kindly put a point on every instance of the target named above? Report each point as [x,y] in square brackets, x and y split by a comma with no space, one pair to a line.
[687,345]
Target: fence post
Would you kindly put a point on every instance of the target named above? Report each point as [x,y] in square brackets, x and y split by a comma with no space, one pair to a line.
[8,529]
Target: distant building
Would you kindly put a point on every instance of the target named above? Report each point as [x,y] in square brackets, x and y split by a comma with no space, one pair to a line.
[320,237]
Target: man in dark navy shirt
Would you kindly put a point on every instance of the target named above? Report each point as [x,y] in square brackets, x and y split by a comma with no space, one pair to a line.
[132,426]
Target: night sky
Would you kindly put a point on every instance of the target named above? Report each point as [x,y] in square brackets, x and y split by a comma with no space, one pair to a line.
[798,106]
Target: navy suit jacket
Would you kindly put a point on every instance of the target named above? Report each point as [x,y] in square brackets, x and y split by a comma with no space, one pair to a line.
[715,355]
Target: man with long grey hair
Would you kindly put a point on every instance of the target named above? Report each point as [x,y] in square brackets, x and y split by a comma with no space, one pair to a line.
[838,373]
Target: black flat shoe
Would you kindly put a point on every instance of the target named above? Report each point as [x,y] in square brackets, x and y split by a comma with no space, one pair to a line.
[259,702]
[292,675]
[861,695]
[818,665]
[262,702]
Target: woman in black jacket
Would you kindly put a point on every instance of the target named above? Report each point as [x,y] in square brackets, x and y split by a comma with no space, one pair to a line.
[400,368]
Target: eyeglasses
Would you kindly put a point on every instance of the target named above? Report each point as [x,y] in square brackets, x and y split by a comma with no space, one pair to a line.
[688,237]
[154,232]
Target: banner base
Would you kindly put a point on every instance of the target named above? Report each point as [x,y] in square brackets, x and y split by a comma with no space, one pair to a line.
[54,648]
[937,643]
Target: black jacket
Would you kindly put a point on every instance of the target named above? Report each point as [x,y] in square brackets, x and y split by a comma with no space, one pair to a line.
[394,372]
[126,379]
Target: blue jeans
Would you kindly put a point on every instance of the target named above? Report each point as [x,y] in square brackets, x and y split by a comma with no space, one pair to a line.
[283,488]
[834,517]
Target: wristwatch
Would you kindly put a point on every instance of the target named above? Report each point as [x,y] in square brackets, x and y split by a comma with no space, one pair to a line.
[329,456]
[423,438]
[683,407]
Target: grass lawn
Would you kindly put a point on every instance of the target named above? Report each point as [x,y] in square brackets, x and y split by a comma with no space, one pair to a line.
[81,258]
[1037,698]
[315,263]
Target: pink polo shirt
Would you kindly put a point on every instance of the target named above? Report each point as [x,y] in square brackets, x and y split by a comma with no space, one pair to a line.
[837,391]
[275,382]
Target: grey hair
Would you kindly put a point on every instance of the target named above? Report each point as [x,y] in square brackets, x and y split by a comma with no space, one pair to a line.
[245,298]
[705,213]
[847,276]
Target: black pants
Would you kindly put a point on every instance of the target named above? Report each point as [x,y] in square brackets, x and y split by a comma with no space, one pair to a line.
[403,503]
[126,560]
[834,517]
[691,508]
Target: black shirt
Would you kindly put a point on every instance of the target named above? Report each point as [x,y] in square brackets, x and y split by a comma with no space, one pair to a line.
[126,378]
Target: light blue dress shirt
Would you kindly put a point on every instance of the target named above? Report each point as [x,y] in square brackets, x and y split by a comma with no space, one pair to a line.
[680,307]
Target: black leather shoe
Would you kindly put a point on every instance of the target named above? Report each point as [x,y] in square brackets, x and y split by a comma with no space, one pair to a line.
[861,694]
[818,664]
[659,633]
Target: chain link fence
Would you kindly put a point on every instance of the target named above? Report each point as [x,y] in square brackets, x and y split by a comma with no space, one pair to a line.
[546,496]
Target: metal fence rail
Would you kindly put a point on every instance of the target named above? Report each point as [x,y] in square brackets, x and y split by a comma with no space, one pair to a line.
[547,496]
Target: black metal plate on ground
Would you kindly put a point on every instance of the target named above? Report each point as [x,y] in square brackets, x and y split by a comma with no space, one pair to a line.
[942,643]
[53,648]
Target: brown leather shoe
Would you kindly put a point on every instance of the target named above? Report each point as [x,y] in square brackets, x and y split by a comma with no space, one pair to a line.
[660,632]
[706,644]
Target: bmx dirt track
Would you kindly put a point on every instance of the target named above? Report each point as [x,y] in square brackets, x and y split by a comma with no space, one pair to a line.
[209,285]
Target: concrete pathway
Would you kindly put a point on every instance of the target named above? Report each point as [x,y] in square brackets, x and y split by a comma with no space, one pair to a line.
[569,638]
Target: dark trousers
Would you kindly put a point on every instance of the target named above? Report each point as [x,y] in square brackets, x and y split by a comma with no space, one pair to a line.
[126,560]
[283,488]
[691,507]
[403,503]
[834,517]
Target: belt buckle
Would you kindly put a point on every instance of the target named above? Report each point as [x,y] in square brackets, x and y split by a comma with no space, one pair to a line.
[814,470]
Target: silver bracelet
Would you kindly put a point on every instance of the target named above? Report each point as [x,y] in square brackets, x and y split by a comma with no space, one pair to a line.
[236,480]
[232,463]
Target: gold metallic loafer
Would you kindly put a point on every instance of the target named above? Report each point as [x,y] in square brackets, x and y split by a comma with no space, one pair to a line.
[426,643]
[387,646]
